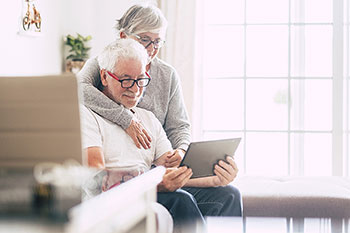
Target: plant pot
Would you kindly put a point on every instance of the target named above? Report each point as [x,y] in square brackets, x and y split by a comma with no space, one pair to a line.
[74,66]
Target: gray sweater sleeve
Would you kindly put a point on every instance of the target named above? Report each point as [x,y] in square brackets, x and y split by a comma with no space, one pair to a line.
[177,125]
[89,79]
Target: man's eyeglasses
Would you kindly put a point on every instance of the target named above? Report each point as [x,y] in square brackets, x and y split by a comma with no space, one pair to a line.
[128,83]
[146,41]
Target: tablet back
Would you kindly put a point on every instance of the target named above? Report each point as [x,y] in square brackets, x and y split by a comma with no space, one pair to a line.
[201,157]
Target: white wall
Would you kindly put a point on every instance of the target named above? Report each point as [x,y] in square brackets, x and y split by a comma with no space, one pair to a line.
[44,54]
[26,55]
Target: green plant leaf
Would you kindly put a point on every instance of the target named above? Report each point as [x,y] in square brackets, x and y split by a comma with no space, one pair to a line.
[88,38]
[78,49]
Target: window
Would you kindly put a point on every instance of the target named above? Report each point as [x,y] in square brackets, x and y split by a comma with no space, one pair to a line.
[347,85]
[274,76]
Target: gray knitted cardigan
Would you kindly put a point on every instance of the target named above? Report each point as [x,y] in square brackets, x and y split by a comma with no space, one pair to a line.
[163,97]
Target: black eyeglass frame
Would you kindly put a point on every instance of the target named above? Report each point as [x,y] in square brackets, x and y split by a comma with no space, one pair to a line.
[157,43]
[130,79]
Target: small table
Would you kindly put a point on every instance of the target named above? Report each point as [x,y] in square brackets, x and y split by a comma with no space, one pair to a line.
[276,225]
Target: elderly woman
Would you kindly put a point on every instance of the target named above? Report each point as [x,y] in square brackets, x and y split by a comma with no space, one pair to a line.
[163,96]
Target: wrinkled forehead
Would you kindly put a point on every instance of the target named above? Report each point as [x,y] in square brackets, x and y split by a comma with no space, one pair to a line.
[128,65]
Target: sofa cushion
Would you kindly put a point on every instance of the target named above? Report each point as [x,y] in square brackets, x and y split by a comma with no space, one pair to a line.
[295,196]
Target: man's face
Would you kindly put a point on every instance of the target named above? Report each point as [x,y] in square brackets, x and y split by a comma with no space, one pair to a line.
[124,69]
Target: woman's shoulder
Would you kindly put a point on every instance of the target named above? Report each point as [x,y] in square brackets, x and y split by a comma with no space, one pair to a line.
[164,70]
[162,65]
[90,73]
[90,65]
[92,61]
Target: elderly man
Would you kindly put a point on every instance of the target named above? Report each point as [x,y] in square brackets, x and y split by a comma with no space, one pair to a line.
[123,80]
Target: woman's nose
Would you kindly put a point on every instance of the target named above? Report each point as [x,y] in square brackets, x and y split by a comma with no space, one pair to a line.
[150,49]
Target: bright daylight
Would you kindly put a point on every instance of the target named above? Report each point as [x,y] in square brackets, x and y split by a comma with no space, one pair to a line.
[175,116]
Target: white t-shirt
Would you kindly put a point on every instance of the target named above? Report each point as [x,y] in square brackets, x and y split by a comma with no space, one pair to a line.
[118,147]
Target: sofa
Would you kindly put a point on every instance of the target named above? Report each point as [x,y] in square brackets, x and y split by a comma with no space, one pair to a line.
[297,198]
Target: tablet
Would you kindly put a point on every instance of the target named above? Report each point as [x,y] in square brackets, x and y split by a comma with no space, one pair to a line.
[201,157]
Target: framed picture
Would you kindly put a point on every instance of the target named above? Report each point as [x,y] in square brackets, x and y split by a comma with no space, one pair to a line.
[31,21]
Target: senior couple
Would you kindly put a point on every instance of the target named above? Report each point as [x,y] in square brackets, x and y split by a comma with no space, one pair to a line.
[134,115]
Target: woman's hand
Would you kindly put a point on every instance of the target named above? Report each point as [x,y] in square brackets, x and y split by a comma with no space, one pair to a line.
[225,172]
[139,135]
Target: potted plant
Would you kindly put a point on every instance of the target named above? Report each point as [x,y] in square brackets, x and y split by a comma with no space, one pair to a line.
[78,52]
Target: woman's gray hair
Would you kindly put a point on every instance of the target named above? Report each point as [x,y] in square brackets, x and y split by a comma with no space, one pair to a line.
[122,49]
[142,18]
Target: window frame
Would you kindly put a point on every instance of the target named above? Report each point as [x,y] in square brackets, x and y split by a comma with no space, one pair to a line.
[340,93]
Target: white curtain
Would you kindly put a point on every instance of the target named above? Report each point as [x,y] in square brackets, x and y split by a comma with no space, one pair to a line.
[179,50]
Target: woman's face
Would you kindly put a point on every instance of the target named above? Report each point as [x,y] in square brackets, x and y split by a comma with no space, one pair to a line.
[151,41]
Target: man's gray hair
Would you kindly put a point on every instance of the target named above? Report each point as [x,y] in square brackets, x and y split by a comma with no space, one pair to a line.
[122,49]
[142,18]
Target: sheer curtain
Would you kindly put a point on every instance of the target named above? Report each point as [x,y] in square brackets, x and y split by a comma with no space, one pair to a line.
[179,49]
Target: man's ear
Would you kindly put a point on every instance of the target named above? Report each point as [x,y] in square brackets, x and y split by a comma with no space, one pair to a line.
[103,75]
[123,35]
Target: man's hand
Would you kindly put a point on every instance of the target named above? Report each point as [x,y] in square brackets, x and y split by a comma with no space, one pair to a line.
[225,172]
[170,159]
[174,178]
[174,159]
[139,135]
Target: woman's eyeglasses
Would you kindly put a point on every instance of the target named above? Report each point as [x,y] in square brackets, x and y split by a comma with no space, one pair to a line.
[146,41]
